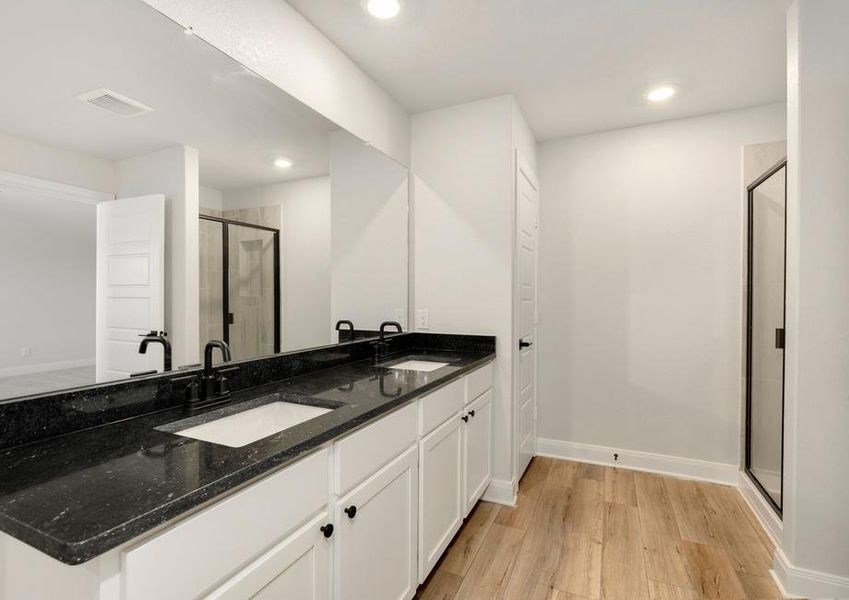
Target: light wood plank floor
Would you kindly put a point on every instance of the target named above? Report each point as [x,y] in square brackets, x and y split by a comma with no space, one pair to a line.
[582,531]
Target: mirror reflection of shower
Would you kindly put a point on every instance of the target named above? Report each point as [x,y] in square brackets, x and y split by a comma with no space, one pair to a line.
[240,281]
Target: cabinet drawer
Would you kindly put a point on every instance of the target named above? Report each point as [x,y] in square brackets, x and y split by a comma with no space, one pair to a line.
[362,453]
[208,547]
[438,406]
[479,381]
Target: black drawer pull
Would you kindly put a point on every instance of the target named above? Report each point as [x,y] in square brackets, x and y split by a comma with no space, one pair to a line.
[327,530]
[465,418]
[351,511]
[472,413]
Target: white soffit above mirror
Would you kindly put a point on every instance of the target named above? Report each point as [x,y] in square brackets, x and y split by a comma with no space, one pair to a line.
[52,51]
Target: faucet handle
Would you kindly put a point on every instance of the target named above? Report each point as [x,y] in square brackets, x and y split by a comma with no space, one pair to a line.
[192,390]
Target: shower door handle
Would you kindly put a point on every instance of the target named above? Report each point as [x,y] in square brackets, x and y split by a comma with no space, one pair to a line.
[779,338]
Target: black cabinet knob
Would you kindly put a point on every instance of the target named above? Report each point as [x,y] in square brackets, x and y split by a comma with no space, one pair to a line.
[465,418]
[472,413]
[524,344]
[351,511]
[327,530]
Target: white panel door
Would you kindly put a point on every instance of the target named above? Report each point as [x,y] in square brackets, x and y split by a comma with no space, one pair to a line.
[477,445]
[376,534]
[440,491]
[130,284]
[527,234]
[298,568]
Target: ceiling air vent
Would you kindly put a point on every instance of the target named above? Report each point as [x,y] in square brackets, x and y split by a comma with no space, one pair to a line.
[114,103]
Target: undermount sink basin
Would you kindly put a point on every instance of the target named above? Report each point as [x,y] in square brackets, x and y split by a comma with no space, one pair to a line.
[419,365]
[254,424]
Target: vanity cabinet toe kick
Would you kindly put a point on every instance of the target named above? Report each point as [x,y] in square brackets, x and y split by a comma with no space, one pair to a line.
[367,516]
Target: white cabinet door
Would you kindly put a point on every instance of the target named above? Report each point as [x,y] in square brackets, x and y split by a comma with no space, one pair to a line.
[477,445]
[440,491]
[376,534]
[298,568]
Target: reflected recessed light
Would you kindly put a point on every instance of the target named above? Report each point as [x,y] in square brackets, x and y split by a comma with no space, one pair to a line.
[282,163]
[383,9]
[660,93]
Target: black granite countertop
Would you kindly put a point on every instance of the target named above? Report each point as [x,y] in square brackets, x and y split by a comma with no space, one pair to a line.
[78,495]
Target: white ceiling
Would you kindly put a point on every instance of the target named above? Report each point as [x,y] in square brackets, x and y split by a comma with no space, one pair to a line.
[51,51]
[575,66]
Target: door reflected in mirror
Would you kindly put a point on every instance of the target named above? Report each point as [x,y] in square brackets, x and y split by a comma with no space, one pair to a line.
[157,185]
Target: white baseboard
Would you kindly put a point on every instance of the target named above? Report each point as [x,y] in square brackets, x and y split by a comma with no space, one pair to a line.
[796,582]
[689,468]
[45,367]
[769,520]
[500,491]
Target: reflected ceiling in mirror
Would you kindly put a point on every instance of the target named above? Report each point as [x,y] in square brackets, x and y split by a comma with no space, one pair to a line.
[149,182]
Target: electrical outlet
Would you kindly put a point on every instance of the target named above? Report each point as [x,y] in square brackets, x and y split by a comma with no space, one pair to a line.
[401,317]
[26,351]
[422,319]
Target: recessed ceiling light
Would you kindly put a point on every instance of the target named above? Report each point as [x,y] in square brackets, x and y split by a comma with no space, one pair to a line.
[383,9]
[660,93]
[282,163]
[189,31]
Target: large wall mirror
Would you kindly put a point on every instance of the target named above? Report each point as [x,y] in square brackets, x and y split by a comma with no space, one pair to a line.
[150,183]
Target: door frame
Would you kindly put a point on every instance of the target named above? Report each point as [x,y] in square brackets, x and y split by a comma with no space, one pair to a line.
[521,165]
[225,275]
[750,194]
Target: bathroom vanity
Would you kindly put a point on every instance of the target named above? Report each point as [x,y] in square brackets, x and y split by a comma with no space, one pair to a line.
[359,501]
[197,212]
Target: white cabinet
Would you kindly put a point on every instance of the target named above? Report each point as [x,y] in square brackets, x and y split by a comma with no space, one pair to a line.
[222,538]
[441,488]
[395,493]
[298,568]
[376,534]
[477,450]
[454,461]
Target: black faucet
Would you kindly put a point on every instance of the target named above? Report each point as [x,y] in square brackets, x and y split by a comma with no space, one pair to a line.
[350,325]
[381,344]
[157,338]
[213,384]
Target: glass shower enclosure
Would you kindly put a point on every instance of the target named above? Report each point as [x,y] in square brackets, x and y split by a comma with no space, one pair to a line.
[240,286]
[767,200]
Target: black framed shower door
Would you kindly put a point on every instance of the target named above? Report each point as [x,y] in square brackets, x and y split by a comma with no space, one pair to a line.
[766,279]
[231,229]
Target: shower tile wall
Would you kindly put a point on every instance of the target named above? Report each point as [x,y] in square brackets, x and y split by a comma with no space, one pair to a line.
[211,279]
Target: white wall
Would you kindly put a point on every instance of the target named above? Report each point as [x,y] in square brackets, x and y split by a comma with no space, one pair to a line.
[275,41]
[209,197]
[173,172]
[27,157]
[640,279]
[368,190]
[48,250]
[462,158]
[816,518]
[305,254]
[523,139]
